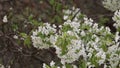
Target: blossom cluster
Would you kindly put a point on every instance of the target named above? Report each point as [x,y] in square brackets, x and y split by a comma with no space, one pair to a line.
[52,65]
[81,37]
[112,5]
[44,36]
[116,18]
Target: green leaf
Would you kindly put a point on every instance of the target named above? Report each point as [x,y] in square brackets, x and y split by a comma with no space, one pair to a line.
[66,28]
[52,2]
[64,41]
[81,16]
[104,47]
[58,19]
[15,27]
[30,17]
[118,29]
[68,65]
[43,36]
[102,21]
[27,41]
[48,66]
[59,7]
[82,63]
[24,35]
[36,23]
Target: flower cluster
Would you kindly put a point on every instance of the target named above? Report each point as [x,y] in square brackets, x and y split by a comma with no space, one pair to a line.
[112,5]
[52,65]
[44,36]
[116,18]
[80,38]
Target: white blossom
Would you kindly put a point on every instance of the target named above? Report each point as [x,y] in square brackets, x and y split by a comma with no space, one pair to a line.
[52,63]
[116,18]
[53,39]
[44,65]
[63,66]
[5,20]
[65,17]
[15,37]
[82,33]
[58,67]
[88,21]
[2,66]
[117,37]
[74,66]
[91,66]
[89,55]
